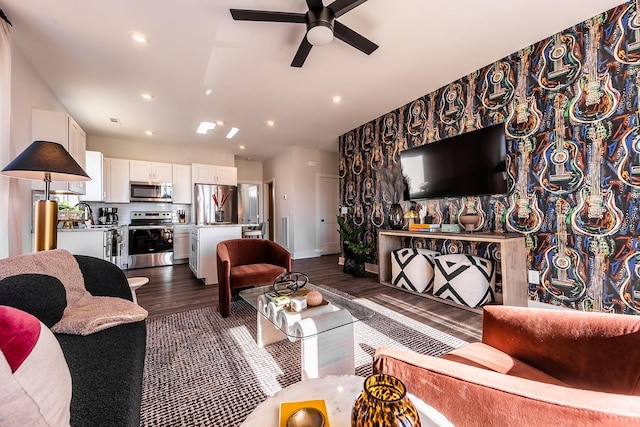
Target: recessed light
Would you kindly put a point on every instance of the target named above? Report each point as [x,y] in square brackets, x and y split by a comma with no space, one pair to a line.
[149,132]
[270,123]
[208,92]
[242,147]
[205,127]
[147,96]
[219,122]
[336,99]
[232,133]
[138,37]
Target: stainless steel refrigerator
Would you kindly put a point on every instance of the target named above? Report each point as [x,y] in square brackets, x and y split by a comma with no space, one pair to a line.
[205,210]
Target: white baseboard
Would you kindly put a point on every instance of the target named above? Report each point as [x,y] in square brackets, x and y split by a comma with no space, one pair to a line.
[305,254]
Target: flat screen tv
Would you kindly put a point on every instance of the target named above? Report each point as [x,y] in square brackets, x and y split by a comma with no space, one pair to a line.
[470,164]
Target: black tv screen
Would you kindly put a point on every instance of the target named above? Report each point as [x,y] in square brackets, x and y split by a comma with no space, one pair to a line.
[470,164]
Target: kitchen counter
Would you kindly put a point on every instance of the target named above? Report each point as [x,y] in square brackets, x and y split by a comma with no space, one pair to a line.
[224,224]
[65,230]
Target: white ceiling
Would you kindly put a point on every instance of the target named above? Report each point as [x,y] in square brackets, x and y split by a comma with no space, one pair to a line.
[82,50]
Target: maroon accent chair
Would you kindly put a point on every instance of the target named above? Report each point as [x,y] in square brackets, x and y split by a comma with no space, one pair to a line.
[244,263]
[534,367]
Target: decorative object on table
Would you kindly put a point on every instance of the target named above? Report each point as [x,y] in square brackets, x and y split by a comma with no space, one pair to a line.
[411,217]
[308,413]
[393,185]
[289,282]
[298,303]
[384,402]
[350,235]
[219,205]
[44,160]
[469,222]
[314,298]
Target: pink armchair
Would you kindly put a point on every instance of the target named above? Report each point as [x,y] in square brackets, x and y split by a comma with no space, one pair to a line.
[244,263]
[534,367]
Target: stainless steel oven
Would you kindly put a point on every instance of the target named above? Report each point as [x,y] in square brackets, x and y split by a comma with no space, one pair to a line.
[150,192]
[150,239]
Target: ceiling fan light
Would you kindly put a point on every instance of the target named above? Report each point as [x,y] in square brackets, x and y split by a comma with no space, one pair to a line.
[320,35]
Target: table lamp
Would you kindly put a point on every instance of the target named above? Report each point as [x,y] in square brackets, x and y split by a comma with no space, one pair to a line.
[48,161]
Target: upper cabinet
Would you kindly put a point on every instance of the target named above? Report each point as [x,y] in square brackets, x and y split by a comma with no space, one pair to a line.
[211,174]
[116,179]
[182,189]
[150,171]
[60,127]
[95,188]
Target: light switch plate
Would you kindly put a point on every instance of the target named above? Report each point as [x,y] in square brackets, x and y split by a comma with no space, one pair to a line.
[534,277]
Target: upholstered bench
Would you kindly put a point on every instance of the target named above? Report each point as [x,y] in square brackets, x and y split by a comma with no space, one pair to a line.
[412,269]
[464,279]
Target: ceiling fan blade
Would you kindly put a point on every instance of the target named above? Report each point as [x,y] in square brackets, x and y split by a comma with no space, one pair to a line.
[349,36]
[340,7]
[315,4]
[302,53]
[264,15]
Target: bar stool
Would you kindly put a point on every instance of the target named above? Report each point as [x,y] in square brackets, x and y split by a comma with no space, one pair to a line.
[135,283]
[257,232]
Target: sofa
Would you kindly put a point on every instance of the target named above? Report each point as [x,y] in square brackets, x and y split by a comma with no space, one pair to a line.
[533,367]
[106,367]
[247,262]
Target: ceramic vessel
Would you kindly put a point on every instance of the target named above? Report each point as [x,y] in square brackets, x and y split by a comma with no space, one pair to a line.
[314,298]
[384,402]
[469,222]
[396,216]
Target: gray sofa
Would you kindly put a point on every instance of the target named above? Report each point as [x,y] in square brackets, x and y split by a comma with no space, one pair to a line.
[106,367]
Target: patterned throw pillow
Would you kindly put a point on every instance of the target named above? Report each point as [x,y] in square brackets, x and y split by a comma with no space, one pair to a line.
[35,384]
[412,269]
[464,279]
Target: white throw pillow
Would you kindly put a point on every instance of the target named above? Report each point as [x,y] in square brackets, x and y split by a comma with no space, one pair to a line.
[412,269]
[464,279]
[35,383]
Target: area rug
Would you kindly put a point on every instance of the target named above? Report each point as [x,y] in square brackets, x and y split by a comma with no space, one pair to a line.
[203,370]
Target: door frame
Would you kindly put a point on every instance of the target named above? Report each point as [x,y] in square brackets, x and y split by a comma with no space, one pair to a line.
[319,203]
[269,198]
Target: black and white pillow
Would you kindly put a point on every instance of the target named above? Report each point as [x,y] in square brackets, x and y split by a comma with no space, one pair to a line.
[464,279]
[412,269]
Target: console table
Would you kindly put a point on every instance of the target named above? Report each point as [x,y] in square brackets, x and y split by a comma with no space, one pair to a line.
[513,260]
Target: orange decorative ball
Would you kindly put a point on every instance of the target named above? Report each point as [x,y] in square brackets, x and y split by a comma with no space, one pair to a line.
[314,298]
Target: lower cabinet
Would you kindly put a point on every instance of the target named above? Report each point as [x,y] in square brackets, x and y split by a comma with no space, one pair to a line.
[180,244]
[202,249]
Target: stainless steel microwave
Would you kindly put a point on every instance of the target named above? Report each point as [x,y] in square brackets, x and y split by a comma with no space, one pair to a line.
[150,192]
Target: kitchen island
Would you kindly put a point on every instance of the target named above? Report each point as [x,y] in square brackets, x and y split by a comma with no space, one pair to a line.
[203,240]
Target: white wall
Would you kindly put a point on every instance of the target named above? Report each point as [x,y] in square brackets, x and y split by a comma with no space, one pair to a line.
[28,91]
[249,171]
[156,152]
[295,177]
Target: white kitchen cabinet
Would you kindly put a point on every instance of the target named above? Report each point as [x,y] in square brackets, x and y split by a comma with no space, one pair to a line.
[182,188]
[90,242]
[94,190]
[180,243]
[203,241]
[55,126]
[213,174]
[150,171]
[116,178]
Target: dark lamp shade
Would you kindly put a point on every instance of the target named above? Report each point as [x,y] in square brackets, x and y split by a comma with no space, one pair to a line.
[43,157]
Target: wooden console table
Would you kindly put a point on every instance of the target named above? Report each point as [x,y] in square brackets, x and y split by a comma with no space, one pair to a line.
[513,260]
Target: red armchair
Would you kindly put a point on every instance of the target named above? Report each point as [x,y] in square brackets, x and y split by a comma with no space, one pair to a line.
[534,367]
[244,263]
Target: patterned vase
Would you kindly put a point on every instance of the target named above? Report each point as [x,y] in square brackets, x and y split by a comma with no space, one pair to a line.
[384,402]
[396,216]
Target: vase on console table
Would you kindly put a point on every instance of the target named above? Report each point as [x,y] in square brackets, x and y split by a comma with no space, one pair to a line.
[219,215]
[396,216]
[384,402]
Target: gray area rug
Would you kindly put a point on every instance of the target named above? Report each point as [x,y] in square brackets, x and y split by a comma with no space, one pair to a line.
[203,370]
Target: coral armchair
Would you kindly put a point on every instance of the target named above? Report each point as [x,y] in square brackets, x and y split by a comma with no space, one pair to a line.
[534,367]
[244,263]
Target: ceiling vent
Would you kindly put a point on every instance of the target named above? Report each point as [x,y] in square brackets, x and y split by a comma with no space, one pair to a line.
[114,120]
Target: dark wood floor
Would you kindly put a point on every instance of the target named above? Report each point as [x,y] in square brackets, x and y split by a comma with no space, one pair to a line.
[174,289]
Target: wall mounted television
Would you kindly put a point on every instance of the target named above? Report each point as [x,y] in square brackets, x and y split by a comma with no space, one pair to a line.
[470,164]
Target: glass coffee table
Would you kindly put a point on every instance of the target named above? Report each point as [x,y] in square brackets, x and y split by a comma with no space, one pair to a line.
[325,331]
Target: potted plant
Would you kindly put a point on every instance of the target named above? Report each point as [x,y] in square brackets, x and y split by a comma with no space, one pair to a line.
[360,250]
[349,236]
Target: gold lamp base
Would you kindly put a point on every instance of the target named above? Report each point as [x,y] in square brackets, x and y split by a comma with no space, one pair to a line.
[45,225]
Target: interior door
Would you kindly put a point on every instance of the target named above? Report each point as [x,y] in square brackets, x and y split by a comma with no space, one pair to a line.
[328,237]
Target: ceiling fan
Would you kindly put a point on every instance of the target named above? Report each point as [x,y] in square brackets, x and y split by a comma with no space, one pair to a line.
[321,25]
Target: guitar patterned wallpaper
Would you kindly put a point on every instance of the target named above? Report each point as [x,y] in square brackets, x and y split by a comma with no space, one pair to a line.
[570,105]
